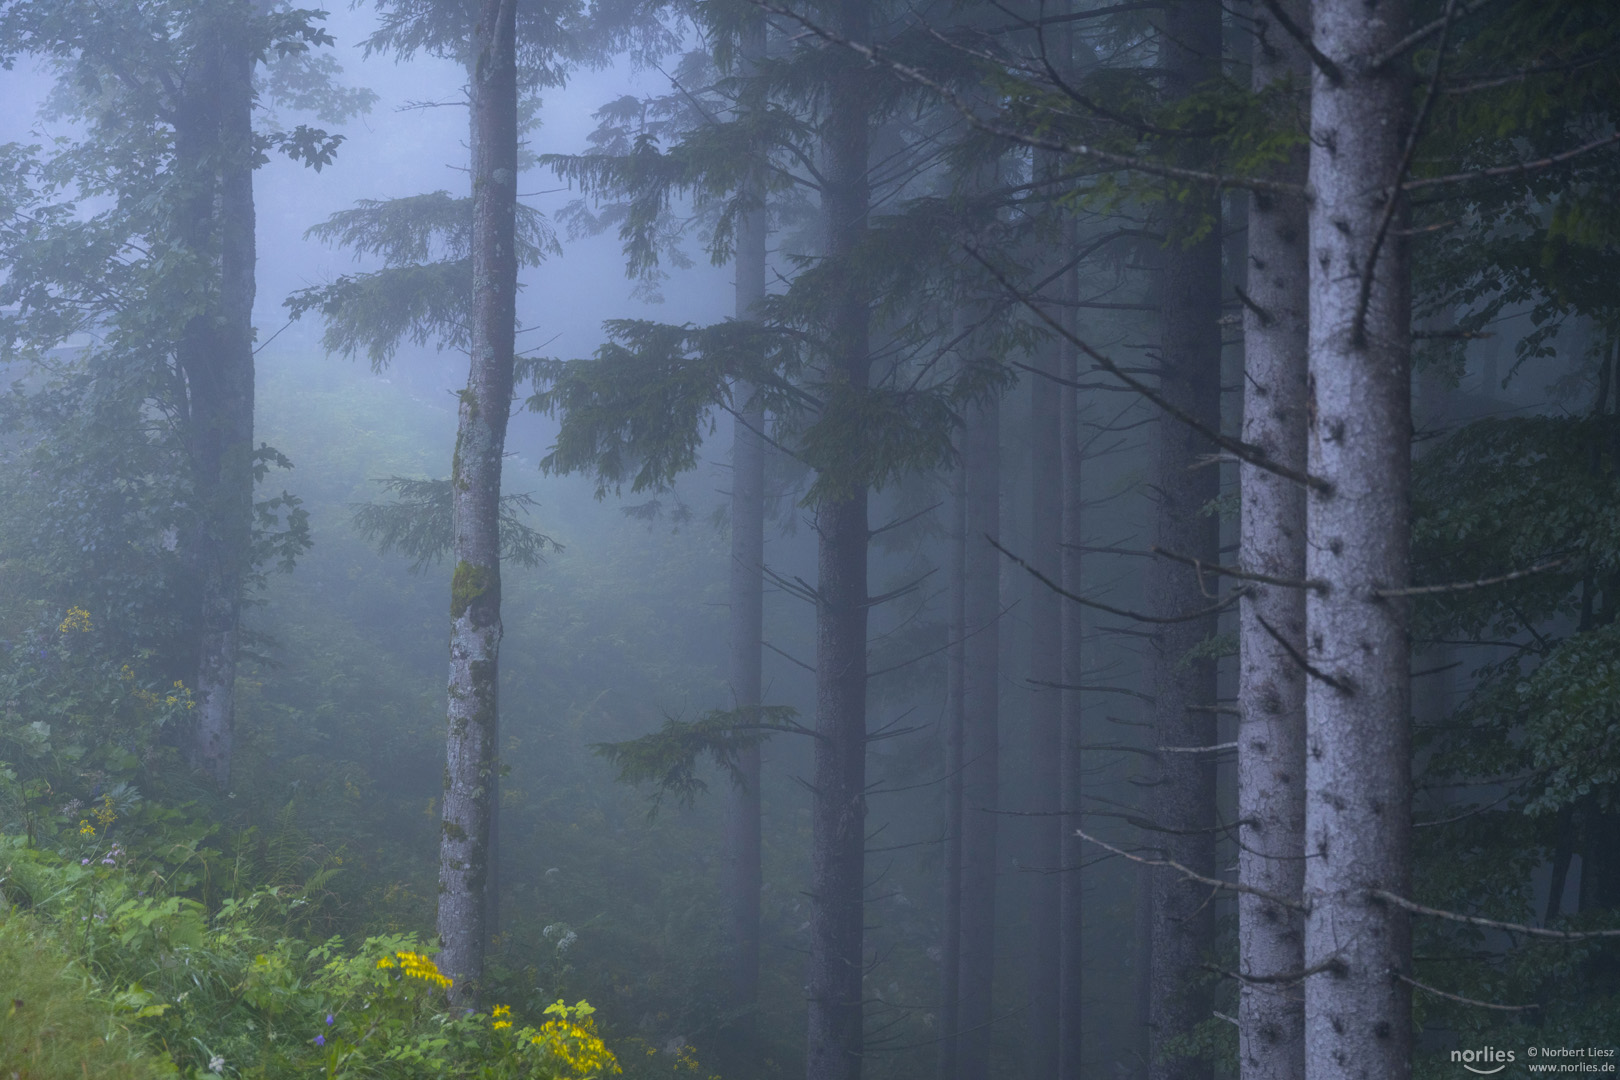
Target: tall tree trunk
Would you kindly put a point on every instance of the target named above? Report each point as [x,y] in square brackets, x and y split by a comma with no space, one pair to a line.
[472,716]
[214,144]
[1071,1019]
[1183,687]
[747,602]
[1271,686]
[1358,727]
[838,809]
[981,751]
[1045,718]
[955,657]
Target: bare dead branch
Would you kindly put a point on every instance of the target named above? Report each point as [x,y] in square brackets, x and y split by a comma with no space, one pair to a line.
[1076,16]
[1260,313]
[1492,924]
[908,519]
[1449,335]
[1421,34]
[1122,612]
[1478,583]
[1510,170]
[1330,964]
[1314,584]
[1392,199]
[1193,875]
[1323,62]
[789,658]
[1298,658]
[1248,452]
[1427,989]
[1087,688]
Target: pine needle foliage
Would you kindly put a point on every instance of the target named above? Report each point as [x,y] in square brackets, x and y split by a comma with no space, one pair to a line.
[418,524]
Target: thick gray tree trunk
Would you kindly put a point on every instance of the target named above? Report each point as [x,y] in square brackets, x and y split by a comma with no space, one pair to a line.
[1358,726]
[981,752]
[838,808]
[955,659]
[473,718]
[1271,685]
[1071,1019]
[1045,776]
[214,144]
[1183,798]
[747,605]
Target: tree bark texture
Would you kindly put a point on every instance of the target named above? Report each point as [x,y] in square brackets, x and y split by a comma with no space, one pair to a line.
[955,657]
[747,602]
[1071,1019]
[1045,719]
[473,728]
[1183,688]
[1271,684]
[834,1046]
[981,753]
[215,156]
[1358,728]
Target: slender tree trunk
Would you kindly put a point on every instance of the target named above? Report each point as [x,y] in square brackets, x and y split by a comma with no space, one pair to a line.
[1183,799]
[747,604]
[955,655]
[1358,726]
[214,143]
[1071,1019]
[981,752]
[838,809]
[473,718]
[1045,718]
[1271,686]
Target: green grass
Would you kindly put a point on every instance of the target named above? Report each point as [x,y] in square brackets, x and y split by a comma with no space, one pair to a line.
[53,1023]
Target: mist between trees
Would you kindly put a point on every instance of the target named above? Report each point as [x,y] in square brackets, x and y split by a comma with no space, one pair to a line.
[981,540]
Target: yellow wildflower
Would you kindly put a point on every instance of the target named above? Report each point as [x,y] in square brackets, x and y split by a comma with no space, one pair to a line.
[497,1025]
[417,966]
[77,619]
[85,828]
[501,1010]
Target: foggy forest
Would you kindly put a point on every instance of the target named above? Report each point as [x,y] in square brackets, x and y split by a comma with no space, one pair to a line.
[749,539]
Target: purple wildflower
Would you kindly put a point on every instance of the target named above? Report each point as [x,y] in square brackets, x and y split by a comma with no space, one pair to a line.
[320,1040]
[328,1019]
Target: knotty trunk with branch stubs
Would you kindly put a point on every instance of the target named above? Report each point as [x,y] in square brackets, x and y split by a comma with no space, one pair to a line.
[1358,726]
[1271,685]
[471,744]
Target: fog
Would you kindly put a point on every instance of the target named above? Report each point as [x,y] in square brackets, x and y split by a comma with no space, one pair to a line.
[964,541]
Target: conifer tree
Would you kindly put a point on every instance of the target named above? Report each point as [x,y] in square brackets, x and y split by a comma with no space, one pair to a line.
[1180,680]
[1358,811]
[1271,684]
